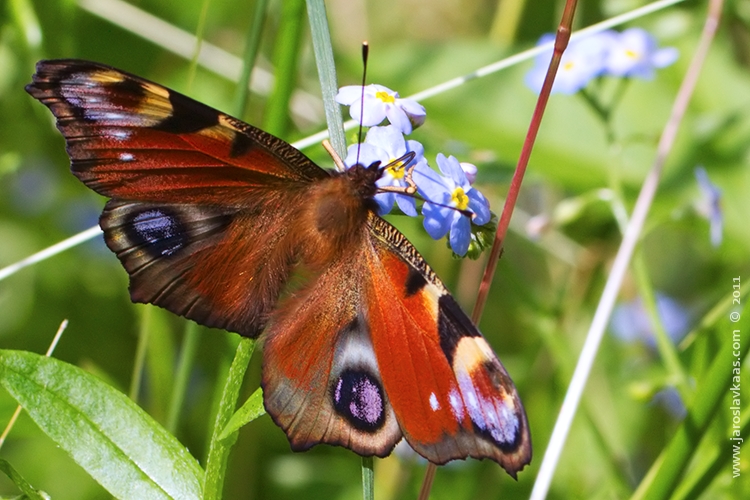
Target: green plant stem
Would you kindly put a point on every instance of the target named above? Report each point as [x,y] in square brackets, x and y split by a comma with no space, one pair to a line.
[713,462]
[285,57]
[140,353]
[507,20]
[29,492]
[665,345]
[182,374]
[248,58]
[368,479]
[218,453]
[199,32]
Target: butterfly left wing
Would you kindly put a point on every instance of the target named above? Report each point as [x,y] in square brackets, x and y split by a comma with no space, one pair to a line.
[134,139]
[451,395]
[200,200]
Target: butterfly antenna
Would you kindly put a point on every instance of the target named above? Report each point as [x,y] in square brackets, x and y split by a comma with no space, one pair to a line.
[402,162]
[365,55]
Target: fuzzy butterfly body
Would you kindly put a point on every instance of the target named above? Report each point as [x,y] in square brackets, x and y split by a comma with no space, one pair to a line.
[224,224]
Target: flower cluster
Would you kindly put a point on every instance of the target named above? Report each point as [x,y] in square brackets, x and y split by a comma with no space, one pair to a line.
[632,53]
[450,203]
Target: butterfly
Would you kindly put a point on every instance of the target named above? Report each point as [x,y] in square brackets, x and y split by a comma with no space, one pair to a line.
[233,228]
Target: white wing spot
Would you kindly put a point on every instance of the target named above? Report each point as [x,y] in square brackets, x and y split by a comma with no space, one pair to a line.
[434,404]
[457,406]
[120,134]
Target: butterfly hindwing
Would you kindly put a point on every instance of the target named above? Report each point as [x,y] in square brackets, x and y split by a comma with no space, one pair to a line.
[321,380]
[196,260]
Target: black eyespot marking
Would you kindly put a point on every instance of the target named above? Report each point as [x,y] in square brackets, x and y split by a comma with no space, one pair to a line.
[187,116]
[414,282]
[358,397]
[158,230]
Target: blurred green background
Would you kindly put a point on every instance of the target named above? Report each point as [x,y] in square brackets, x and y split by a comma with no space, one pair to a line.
[549,278]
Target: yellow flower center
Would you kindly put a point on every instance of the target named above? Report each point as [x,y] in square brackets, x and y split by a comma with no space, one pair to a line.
[396,169]
[385,97]
[631,54]
[568,66]
[459,199]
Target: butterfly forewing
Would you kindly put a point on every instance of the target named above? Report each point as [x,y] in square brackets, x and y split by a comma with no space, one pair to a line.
[451,395]
[131,138]
[200,199]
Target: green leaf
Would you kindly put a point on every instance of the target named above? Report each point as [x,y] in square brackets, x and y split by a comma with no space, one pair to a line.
[29,491]
[219,448]
[252,409]
[113,439]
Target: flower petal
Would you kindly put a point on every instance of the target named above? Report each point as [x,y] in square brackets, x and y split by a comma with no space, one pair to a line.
[436,220]
[407,204]
[398,119]
[460,234]
[480,206]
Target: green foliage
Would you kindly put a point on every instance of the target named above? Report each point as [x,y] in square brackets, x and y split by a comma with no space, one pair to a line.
[584,175]
[111,437]
[28,491]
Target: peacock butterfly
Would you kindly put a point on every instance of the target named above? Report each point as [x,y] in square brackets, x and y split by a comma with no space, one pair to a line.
[213,218]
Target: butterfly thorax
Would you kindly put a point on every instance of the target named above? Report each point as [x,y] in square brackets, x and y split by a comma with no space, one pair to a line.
[334,218]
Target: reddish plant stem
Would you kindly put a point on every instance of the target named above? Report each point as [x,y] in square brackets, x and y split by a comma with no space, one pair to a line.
[561,43]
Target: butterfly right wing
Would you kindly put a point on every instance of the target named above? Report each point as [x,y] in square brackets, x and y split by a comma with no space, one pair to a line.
[201,201]
[451,395]
[376,348]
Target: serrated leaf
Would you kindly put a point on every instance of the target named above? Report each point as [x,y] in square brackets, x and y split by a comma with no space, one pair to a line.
[113,439]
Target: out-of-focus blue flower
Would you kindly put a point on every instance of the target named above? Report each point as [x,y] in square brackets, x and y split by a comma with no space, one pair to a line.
[581,62]
[452,194]
[671,400]
[710,205]
[634,53]
[34,188]
[630,322]
[387,144]
[379,103]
